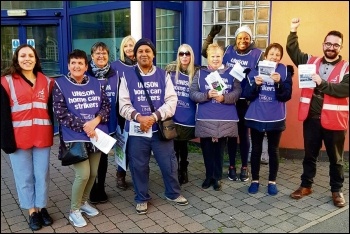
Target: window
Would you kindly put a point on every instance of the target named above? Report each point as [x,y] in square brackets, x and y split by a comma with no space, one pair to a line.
[109,27]
[233,14]
[167,36]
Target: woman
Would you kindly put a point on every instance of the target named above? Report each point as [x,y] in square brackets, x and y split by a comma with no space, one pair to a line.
[244,52]
[182,72]
[100,68]
[127,60]
[267,114]
[142,128]
[216,115]
[26,104]
[80,105]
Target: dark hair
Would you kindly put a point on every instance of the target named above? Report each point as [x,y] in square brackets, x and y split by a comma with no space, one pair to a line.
[77,54]
[274,45]
[15,67]
[97,45]
[334,33]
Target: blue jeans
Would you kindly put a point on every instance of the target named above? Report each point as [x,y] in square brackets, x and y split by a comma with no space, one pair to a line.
[139,154]
[32,176]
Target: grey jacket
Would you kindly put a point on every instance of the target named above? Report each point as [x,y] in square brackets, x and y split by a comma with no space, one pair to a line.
[215,129]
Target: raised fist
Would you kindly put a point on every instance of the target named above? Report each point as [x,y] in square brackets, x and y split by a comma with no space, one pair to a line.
[215,30]
[294,24]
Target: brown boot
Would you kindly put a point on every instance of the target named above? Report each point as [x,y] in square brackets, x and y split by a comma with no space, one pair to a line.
[121,180]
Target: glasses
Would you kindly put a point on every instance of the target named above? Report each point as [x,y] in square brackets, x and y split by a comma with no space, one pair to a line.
[329,45]
[99,54]
[187,53]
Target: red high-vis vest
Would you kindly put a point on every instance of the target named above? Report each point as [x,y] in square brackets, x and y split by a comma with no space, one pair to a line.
[335,111]
[30,117]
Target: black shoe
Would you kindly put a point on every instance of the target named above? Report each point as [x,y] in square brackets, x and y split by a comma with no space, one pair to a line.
[206,184]
[35,221]
[217,185]
[232,175]
[244,176]
[183,176]
[121,183]
[103,196]
[46,219]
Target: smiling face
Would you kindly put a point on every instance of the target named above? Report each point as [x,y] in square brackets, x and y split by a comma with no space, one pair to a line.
[129,49]
[184,57]
[331,47]
[145,56]
[26,59]
[274,55]
[242,41]
[100,57]
[215,57]
[77,67]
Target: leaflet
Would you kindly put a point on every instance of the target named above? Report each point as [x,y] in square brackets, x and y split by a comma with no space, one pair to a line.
[135,130]
[305,71]
[237,72]
[120,149]
[104,141]
[215,81]
[266,68]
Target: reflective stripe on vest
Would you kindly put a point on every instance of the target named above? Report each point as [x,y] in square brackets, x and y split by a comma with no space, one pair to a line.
[305,100]
[335,107]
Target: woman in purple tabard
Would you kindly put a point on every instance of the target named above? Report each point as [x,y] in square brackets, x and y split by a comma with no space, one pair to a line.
[81,105]
[126,61]
[216,113]
[267,114]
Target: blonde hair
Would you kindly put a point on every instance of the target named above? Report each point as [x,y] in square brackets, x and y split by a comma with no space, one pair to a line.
[122,44]
[213,47]
[190,68]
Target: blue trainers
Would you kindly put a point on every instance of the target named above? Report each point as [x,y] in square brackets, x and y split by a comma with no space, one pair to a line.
[253,188]
[272,189]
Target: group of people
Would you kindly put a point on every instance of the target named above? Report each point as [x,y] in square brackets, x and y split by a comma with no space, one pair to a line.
[111,97]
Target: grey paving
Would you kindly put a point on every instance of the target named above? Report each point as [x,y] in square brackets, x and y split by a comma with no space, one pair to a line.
[231,210]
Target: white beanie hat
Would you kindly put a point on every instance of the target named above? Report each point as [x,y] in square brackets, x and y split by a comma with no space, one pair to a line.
[244,28]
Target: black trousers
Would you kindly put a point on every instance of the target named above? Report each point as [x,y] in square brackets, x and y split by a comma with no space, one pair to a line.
[314,134]
[213,154]
[273,140]
[181,151]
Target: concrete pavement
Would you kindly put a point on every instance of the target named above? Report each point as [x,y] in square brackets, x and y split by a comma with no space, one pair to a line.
[231,210]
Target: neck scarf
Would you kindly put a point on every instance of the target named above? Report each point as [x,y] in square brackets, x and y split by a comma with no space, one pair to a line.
[99,72]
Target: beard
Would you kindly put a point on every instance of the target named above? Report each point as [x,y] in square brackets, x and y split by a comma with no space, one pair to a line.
[330,54]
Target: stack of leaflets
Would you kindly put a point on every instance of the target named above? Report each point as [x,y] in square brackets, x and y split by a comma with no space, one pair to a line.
[305,72]
[237,72]
[266,68]
[215,81]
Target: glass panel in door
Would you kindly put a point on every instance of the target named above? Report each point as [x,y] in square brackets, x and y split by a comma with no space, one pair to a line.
[7,34]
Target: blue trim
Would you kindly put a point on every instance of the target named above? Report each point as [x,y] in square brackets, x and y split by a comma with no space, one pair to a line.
[192,27]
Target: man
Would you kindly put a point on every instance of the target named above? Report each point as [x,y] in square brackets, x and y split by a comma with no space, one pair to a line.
[324,111]
[142,128]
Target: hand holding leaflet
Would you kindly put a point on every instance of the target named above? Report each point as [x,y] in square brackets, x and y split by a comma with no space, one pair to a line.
[266,68]
[215,81]
[238,72]
[103,141]
[305,72]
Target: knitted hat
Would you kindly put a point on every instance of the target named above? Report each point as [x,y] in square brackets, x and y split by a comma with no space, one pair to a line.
[244,28]
[144,41]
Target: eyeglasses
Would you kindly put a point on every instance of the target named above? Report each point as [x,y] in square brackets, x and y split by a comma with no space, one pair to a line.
[103,54]
[329,45]
[187,53]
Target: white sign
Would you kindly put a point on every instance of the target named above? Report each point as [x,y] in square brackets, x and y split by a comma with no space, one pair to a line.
[31,42]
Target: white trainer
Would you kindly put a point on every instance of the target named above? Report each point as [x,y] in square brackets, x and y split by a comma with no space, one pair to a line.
[88,209]
[141,208]
[180,200]
[77,219]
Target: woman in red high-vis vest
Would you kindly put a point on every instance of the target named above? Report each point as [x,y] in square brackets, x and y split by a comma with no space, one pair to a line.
[27,131]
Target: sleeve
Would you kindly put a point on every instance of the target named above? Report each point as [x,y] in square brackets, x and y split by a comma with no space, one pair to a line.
[61,112]
[251,90]
[126,109]
[294,51]
[209,40]
[284,89]
[195,94]
[8,142]
[338,90]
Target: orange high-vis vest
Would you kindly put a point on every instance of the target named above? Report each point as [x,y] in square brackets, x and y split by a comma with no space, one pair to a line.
[30,117]
[335,111]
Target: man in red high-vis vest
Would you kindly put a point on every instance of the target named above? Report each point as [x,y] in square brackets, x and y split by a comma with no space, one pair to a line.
[324,111]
